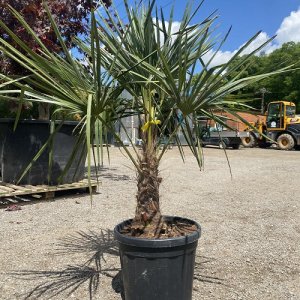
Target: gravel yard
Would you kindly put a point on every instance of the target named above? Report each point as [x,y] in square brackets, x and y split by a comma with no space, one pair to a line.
[250,244]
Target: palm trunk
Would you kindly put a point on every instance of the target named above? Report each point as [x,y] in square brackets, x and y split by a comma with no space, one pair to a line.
[148,221]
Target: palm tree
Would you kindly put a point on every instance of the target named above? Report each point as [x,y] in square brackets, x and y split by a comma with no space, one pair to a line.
[162,60]
[155,62]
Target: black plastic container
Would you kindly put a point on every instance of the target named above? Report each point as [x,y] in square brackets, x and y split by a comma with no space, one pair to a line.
[17,148]
[158,269]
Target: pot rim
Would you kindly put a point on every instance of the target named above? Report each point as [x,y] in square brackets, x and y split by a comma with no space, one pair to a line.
[157,243]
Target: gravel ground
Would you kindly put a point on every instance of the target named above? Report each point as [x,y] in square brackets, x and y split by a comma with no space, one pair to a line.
[249,247]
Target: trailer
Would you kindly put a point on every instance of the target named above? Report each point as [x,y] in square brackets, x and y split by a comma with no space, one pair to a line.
[222,138]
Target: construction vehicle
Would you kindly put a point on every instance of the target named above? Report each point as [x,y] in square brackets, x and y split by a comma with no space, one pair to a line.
[280,125]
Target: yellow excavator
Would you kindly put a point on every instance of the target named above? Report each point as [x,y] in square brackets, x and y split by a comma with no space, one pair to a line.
[280,124]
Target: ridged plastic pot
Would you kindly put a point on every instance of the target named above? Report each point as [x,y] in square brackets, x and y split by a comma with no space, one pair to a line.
[157,269]
[17,148]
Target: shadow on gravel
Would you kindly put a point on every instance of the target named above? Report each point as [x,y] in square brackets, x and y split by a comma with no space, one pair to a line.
[66,281]
[115,177]
[105,172]
[201,265]
[96,246]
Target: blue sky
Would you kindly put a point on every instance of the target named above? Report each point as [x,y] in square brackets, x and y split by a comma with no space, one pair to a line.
[245,16]
[281,17]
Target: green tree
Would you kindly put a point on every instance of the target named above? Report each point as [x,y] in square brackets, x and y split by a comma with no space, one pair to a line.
[284,87]
[280,87]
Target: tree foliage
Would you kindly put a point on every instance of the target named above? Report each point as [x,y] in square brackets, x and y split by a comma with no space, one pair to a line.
[280,87]
[71,17]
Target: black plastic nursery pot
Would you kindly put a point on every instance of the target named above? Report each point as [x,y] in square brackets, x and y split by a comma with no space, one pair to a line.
[158,269]
[17,149]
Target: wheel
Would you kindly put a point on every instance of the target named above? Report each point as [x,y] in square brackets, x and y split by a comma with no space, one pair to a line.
[235,146]
[285,141]
[222,145]
[249,141]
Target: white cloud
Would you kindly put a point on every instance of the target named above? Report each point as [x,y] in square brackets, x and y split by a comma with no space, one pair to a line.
[260,40]
[220,57]
[224,56]
[289,29]
[174,28]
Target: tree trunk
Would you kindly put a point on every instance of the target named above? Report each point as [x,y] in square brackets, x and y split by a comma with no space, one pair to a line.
[148,221]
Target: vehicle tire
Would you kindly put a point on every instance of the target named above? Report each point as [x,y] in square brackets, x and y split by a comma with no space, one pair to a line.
[222,145]
[236,146]
[249,141]
[285,142]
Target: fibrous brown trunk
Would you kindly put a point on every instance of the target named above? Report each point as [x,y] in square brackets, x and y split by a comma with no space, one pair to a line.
[148,221]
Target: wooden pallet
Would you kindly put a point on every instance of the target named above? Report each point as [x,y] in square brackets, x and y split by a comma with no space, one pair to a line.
[42,191]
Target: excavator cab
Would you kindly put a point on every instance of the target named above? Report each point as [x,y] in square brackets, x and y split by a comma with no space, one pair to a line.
[275,116]
[280,114]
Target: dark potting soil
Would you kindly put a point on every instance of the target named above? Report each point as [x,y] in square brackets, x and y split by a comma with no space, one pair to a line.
[163,230]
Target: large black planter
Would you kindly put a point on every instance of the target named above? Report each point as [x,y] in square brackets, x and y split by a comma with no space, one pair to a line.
[157,269]
[18,148]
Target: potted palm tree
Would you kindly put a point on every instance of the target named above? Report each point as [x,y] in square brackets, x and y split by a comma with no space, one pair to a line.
[34,126]
[156,65]
[44,161]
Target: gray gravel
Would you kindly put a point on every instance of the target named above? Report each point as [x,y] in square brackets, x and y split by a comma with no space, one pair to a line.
[249,247]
